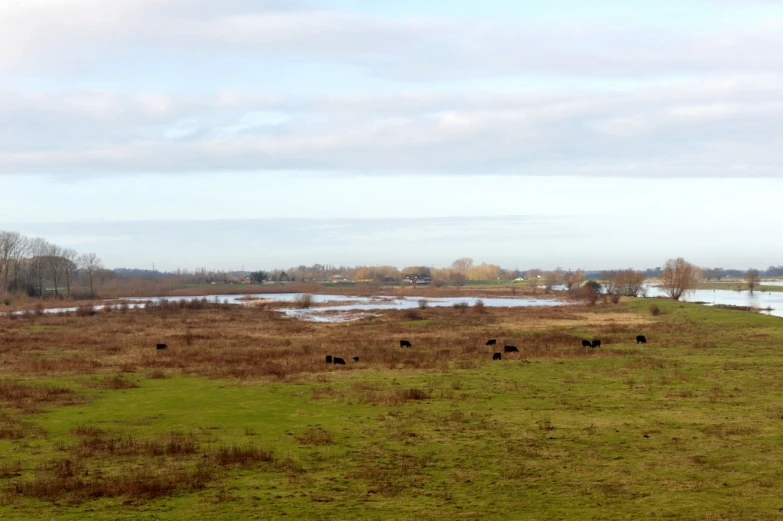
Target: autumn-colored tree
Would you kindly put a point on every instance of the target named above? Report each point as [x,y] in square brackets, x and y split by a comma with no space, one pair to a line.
[678,277]
[362,274]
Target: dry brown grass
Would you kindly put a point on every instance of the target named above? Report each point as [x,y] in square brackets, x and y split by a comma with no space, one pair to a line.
[222,341]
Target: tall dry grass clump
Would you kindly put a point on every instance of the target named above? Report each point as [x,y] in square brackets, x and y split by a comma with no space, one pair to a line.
[303,301]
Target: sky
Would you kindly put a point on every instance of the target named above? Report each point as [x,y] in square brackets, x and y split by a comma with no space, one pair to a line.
[259,134]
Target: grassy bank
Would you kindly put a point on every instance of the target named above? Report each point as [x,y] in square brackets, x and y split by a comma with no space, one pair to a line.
[240,418]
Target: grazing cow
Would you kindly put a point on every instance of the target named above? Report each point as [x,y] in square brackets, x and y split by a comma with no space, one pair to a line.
[497,356]
[510,349]
[161,346]
[328,359]
[586,343]
[405,343]
[641,339]
[338,361]
[596,343]
[355,358]
[491,342]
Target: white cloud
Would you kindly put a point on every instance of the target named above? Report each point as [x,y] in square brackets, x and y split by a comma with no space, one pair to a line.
[52,36]
[691,129]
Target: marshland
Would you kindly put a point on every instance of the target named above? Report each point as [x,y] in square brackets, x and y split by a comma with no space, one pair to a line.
[241,418]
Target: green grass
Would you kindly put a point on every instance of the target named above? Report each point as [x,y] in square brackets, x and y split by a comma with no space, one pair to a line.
[689,426]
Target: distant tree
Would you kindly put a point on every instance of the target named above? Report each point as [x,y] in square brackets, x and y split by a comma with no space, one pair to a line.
[362,274]
[590,291]
[573,278]
[678,277]
[258,276]
[609,280]
[462,265]
[457,278]
[753,279]
[90,263]
[69,267]
[629,283]
[553,278]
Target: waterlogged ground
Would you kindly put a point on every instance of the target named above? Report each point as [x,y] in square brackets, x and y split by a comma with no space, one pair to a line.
[240,418]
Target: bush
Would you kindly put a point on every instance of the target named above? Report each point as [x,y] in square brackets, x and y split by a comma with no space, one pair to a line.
[479,306]
[303,300]
[615,298]
[412,314]
[85,311]
[461,306]
[423,303]
[655,310]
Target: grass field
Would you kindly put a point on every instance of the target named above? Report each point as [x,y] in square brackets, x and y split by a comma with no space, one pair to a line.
[240,418]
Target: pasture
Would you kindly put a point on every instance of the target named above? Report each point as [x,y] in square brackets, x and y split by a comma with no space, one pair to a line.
[241,418]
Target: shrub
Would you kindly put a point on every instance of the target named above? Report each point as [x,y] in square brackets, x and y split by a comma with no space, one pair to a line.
[423,303]
[461,306]
[412,314]
[615,298]
[414,394]
[85,311]
[236,456]
[479,306]
[316,436]
[655,310]
[303,300]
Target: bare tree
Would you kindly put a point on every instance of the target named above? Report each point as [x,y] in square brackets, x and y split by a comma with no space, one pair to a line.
[10,243]
[462,265]
[629,283]
[68,267]
[678,277]
[574,278]
[90,263]
[54,266]
[38,251]
[753,279]
[609,279]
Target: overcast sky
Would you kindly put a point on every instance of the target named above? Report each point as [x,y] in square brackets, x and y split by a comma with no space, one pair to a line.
[271,133]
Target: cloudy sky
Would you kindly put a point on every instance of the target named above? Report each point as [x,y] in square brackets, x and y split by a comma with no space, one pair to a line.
[270,133]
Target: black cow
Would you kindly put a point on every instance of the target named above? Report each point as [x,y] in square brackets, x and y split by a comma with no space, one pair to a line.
[405,343]
[355,358]
[510,349]
[497,356]
[491,342]
[328,359]
[338,361]
[586,343]
[596,343]
[161,346]
[641,339]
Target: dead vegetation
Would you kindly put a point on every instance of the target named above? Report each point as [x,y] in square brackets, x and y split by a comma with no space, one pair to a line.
[222,341]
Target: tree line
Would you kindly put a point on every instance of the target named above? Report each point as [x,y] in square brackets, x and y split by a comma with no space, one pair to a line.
[37,267]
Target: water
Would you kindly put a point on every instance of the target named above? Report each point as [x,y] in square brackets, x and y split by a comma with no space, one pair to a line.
[344,307]
[763,299]
[349,307]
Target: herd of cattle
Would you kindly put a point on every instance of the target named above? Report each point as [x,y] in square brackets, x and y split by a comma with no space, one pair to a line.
[641,339]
